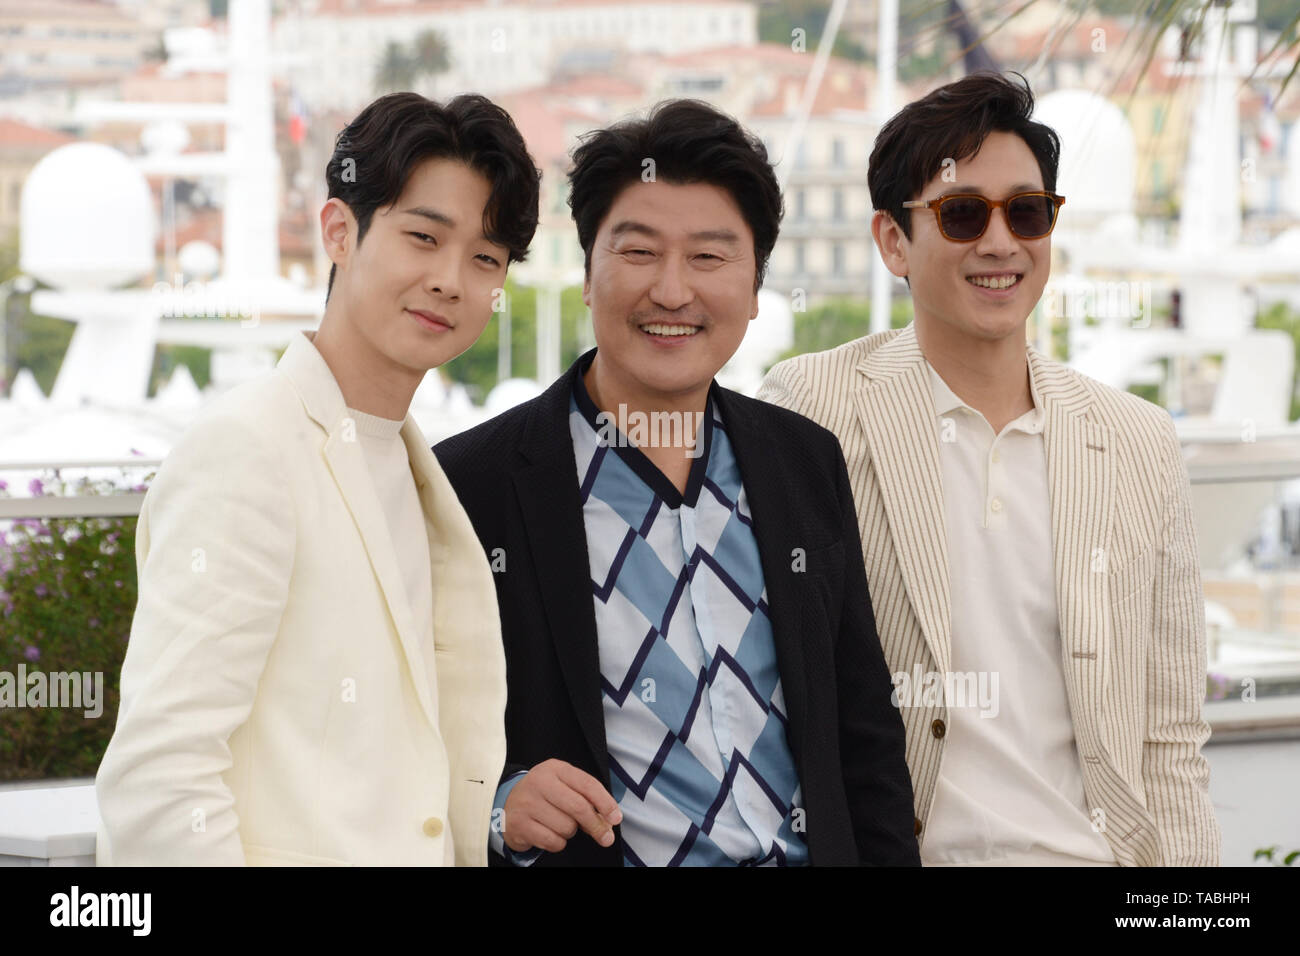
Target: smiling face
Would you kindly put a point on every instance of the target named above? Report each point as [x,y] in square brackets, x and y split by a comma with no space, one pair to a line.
[671,291]
[948,304]
[418,290]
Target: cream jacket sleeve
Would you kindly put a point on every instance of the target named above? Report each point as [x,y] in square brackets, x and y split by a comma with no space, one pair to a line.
[214,554]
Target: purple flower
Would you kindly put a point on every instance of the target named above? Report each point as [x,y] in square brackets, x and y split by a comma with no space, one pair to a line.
[36,487]
[4,485]
[93,622]
[41,590]
[32,653]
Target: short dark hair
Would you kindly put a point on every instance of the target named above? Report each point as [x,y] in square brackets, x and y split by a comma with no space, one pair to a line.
[690,142]
[953,122]
[376,153]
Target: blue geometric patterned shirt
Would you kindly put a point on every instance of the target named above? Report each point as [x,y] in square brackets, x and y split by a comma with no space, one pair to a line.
[695,719]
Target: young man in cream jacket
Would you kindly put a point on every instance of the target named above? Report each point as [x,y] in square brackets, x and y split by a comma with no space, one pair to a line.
[315,672]
[1027,531]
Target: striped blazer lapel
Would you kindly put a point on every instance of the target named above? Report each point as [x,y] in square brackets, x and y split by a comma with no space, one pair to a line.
[1080,474]
[896,411]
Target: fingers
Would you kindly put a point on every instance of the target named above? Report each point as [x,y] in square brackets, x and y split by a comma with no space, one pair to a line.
[577,809]
[588,803]
[600,799]
[529,834]
[552,802]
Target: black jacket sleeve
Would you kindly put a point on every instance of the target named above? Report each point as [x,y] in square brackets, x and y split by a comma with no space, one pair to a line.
[872,739]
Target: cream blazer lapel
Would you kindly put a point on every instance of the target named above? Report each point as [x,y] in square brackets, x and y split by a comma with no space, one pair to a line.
[325,404]
[466,621]
[1080,475]
[896,410]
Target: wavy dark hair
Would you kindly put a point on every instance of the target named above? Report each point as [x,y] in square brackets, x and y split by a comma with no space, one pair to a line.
[690,142]
[397,132]
[953,122]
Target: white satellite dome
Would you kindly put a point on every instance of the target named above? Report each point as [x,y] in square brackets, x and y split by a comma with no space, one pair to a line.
[87,219]
[772,330]
[1098,171]
[199,259]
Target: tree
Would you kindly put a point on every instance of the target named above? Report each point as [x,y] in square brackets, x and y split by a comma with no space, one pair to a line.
[430,53]
[840,320]
[1278,316]
[476,368]
[403,66]
[1153,17]
[396,70]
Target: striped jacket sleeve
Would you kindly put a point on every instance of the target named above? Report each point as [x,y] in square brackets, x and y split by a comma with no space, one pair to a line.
[1175,773]
[784,385]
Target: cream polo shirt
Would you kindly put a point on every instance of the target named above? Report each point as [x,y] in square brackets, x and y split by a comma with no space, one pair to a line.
[1010,787]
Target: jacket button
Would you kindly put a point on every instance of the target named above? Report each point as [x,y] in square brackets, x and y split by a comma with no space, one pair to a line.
[916,826]
[433,827]
[938,729]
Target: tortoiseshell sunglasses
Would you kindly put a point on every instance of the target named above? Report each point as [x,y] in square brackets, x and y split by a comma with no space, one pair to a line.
[964,217]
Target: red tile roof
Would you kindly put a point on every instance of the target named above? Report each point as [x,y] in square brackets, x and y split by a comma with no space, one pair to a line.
[16,135]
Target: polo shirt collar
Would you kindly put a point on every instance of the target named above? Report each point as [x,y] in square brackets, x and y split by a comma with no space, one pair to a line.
[947,401]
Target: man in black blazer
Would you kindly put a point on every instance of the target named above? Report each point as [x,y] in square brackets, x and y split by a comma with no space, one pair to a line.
[750,722]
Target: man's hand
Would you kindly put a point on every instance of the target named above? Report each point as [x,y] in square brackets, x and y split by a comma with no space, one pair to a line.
[552,802]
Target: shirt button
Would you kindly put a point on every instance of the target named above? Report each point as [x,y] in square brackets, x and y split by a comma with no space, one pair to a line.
[995,505]
[997,456]
[938,729]
[433,827]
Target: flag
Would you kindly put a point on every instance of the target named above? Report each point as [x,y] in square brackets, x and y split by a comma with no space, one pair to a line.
[1270,130]
[297,119]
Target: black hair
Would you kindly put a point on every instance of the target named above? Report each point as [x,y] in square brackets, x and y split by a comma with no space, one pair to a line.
[689,142]
[376,153]
[952,122]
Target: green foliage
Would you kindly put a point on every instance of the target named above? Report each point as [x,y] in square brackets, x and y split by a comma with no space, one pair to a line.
[1278,316]
[777,22]
[841,320]
[1277,15]
[1268,853]
[167,357]
[430,52]
[36,342]
[39,343]
[402,66]
[476,368]
[1151,392]
[67,595]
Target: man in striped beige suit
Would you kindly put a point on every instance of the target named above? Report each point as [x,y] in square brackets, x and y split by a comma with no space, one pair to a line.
[1027,531]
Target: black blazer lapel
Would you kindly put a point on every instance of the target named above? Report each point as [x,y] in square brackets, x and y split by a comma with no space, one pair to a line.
[547,489]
